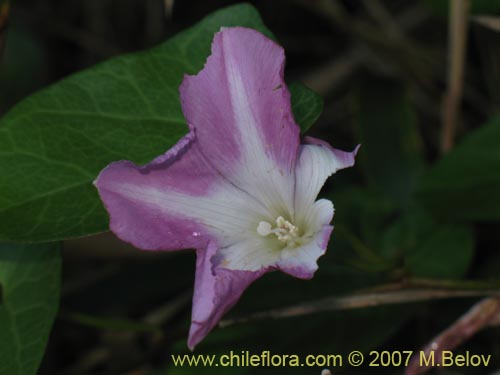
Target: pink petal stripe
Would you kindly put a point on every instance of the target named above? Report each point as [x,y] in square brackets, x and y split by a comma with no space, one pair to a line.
[147,226]
[216,290]
[240,107]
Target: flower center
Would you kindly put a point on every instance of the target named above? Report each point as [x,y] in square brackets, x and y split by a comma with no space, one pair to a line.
[285,231]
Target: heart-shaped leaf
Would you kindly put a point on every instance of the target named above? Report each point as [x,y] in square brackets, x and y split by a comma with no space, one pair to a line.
[30,283]
[53,144]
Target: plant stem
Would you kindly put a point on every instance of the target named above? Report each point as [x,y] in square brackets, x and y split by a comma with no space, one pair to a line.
[4,17]
[417,62]
[364,252]
[459,10]
[364,300]
[478,317]
[471,285]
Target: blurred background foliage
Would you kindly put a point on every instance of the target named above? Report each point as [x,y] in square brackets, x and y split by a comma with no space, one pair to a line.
[405,211]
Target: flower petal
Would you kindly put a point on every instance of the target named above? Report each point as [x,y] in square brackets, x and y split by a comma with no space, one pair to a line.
[258,252]
[177,201]
[317,161]
[216,290]
[301,262]
[251,254]
[240,107]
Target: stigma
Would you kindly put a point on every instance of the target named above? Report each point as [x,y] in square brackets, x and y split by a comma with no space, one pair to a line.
[285,231]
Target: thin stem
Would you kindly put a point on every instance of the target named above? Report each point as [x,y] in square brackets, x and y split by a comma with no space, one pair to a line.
[364,252]
[169,7]
[330,75]
[457,47]
[4,17]
[417,62]
[109,323]
[364,300]
[381,15]
[478,317]
[407,283]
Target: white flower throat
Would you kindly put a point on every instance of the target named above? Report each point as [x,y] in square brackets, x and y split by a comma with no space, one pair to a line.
[285,231]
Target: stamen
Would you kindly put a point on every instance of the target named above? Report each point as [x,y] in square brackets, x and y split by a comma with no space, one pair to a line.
[285,231]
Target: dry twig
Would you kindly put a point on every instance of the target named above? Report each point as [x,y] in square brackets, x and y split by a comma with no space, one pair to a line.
[169,7]
[417,62]
[457,47]
[364,300]
[4,17]
[323,79]
[477,318]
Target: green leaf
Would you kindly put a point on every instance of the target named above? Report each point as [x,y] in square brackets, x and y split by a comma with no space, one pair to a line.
[429,249]
[446,253]
[364,212]
[465,183]
[306,105]
[53,144]
[112,323]
[413,242]
[391,146]
[30,282]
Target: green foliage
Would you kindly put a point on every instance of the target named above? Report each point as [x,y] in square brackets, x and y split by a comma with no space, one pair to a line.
[428,249]
[30,282]
[53,144]
[306,105]
[391,147]
[411,242]
[464,184]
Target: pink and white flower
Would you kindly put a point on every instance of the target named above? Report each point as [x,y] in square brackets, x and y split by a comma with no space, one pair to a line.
[239,188]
